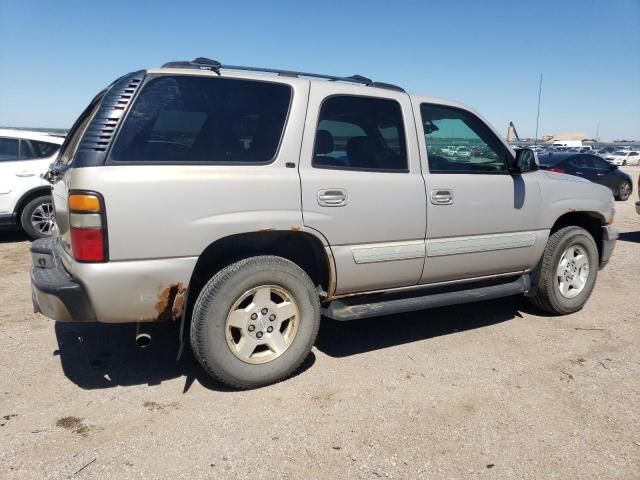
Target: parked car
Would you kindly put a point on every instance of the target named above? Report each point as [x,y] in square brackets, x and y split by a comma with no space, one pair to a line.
[25,198]
[463,152]
[604,151]
[638,202]
[590,167]
[624,157]
[214,196]
[449,150]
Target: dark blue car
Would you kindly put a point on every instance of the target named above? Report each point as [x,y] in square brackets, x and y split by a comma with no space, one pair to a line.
[590,167]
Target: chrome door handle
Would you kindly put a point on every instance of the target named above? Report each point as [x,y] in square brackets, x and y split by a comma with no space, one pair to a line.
[333,197]
[25,174]
[442,197]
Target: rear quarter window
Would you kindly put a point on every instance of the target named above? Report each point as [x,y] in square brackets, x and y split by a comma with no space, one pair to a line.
[187,119]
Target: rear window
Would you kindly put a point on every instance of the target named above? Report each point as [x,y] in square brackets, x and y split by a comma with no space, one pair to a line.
[186,119]
[32,149]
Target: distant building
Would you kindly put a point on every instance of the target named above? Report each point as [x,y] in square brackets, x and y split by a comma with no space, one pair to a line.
[567,137]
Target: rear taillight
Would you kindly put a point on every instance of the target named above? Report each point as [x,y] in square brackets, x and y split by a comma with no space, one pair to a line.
[557,170]
[88,227]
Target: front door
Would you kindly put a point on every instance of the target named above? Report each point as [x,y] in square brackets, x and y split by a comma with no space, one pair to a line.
[481,220]
[362,187]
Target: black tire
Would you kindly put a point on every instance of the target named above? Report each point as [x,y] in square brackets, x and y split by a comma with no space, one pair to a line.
[208,325]
[27,212]
[548,296]
[623,195]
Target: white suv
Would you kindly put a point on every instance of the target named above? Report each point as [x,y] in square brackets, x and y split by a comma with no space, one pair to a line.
[25,198]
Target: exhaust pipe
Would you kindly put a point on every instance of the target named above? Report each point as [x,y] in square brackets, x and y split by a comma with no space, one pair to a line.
[143,339]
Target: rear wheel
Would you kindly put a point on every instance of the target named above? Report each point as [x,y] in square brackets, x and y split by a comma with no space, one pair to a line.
[255,321]
[568,271]
[624,191]
[37,217]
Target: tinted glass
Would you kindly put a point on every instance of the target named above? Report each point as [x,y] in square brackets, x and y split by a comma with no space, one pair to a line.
[459,142]
[8,149]
[26,152]
[44,149]
[599,163]
[360,133]
[195,119]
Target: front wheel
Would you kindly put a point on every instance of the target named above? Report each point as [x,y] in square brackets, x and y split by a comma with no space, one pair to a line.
[624,191]
[567,272]
[255,321]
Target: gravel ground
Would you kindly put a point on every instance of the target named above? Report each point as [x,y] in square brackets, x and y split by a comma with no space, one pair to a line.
[491,390]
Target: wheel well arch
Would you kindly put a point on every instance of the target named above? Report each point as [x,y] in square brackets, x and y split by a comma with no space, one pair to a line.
[592,222]
[30,195]
[302,248]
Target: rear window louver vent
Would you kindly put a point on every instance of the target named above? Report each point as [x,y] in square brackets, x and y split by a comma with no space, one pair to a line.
[101,130]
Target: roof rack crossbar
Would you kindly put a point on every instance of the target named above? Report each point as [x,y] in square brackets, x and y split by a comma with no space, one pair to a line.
[207,64]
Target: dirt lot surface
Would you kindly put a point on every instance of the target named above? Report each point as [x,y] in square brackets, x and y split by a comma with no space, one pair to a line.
[490,390]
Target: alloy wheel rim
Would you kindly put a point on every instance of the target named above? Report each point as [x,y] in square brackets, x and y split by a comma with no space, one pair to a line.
[572,272]
[262,324]
[625,190]
[43,218]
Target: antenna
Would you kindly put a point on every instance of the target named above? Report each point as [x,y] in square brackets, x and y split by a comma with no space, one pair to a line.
[538,115]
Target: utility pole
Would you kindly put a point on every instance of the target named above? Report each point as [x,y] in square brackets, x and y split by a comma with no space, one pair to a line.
[538,115]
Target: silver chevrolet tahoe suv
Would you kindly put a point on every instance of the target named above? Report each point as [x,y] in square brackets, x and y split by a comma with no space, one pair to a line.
[246,203]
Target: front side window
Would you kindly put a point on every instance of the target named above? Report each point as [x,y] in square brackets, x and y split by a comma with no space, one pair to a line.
[360,133]
[187,119]
[459,142]
[8,149]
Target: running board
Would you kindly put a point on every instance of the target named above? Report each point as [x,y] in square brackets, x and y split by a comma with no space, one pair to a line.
[354,308]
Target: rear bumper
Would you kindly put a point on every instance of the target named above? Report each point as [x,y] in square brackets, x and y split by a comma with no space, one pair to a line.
[609,238]
[54,292]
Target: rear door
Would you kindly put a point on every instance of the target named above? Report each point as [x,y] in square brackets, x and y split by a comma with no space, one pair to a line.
[481,220]
[9,148]
[361,184]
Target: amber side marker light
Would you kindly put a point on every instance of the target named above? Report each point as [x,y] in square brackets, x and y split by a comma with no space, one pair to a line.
[87,227]
[84,202]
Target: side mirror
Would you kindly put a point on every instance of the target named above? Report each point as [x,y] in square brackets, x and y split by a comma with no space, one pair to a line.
[525,161]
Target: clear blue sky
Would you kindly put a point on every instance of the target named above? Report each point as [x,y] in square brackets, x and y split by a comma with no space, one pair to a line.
[56,55]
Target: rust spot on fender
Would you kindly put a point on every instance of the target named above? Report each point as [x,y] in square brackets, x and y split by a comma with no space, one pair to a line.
[296,228]
[265,229]
[571,210]
[331,288]
[171,302]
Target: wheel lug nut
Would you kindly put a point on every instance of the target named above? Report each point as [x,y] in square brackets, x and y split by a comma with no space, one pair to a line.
[264,311]
[254,316]
[272,317]
[251,328]
[259,334]
[269,329]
